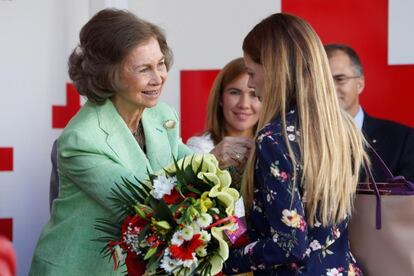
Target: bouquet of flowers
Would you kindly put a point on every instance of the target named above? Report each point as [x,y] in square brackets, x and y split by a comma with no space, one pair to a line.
[175,222]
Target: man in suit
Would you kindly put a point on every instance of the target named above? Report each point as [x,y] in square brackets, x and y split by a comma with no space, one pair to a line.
[393,142]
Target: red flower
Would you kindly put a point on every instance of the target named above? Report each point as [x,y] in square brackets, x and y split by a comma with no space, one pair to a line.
[134,222]
[153,241]
[186,249]
[135,265]
[174,198]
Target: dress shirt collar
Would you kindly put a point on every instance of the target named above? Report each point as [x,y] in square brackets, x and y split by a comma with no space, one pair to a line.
[359,118]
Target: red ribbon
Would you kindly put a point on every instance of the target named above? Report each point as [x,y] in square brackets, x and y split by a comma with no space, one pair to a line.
[222,221]
[111,246]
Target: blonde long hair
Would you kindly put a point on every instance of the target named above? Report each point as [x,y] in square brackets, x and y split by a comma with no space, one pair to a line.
[296,73]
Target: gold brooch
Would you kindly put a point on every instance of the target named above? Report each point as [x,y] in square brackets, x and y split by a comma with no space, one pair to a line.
[169,124]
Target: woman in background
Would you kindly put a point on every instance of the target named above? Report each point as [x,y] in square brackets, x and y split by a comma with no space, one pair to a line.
[301,179]
[232,115]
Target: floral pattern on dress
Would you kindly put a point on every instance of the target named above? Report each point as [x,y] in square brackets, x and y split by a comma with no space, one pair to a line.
[292,219]
[283,243]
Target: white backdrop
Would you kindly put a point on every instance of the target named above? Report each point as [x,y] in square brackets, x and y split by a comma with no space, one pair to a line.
[202,34]
[400,29]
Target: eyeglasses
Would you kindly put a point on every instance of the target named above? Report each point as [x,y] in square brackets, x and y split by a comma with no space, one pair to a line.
[342,79]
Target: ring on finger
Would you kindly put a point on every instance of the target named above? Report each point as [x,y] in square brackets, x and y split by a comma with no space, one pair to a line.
[238,156]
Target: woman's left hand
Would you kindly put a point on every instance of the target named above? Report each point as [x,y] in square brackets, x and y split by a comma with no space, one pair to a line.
[232,151]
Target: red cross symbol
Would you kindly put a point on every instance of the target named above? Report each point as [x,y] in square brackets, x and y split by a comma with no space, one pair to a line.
[61,114]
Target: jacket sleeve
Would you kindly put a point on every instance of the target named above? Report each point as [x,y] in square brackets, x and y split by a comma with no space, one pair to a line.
[282,210]
[88,167]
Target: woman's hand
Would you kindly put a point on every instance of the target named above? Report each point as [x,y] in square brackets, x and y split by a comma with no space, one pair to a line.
[232,151]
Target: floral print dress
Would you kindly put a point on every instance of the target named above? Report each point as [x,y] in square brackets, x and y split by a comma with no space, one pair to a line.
[283,243]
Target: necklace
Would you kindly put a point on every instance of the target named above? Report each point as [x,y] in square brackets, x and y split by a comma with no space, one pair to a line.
[140,136]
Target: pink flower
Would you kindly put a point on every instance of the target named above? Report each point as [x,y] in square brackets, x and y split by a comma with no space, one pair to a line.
[284,176]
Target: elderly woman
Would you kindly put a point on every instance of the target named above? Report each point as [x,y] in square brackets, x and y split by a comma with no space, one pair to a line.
[120,65]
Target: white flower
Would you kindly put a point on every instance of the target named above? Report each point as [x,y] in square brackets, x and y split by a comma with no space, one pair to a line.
[163,186]
[196,227]
[201,251]
[317,224]
[290,128]
[190,263]
[315,245]
[333,272]
[291,137]
[168,264]
[187,233]
[177,238]
[205,236]
[204,220]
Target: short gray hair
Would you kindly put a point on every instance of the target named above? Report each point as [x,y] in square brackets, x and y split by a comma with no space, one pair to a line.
[351,53]
[105,41]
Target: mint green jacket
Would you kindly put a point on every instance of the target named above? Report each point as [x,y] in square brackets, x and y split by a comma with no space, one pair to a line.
[95,150]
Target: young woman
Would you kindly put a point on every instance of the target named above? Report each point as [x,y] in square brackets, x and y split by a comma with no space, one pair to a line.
[302,175]
[232,114]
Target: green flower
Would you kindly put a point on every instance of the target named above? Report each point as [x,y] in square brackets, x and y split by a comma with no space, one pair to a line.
[161,227]
[223,250]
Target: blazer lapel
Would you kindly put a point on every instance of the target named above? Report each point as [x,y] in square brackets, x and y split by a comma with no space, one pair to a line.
[156,140]
[369,130]
[121,141]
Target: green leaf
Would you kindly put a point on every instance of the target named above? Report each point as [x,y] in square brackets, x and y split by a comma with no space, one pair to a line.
[154,262]
[146,187]
[143,232]
[150,253]
[162,211]
[194,190]
[139,193]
